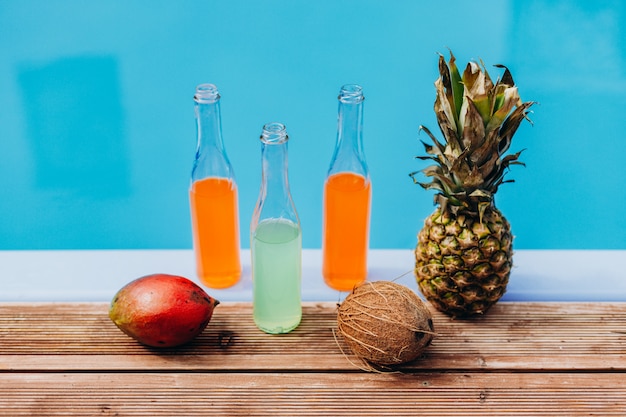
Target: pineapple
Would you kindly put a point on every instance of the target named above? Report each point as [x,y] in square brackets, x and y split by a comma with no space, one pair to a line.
[464,252]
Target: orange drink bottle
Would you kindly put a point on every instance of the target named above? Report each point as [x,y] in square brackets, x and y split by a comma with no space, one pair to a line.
[347,199]
[213,198]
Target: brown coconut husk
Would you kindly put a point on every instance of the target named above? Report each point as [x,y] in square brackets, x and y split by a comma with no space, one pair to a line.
[385,324]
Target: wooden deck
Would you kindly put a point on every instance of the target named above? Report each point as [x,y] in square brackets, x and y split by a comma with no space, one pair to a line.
[521,359]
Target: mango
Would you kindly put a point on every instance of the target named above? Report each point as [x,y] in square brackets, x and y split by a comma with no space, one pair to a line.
[162,310]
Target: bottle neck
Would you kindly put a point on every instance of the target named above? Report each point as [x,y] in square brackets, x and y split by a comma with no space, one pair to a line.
[349,154]
[275,198]
[275,169]
[211,158]
[209,125]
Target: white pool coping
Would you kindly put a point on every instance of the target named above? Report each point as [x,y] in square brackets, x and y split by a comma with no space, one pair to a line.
[96,275]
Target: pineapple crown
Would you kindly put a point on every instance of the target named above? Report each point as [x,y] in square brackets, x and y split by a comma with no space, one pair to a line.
[478,120]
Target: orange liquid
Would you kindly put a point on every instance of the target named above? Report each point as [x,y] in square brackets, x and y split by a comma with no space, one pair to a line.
[346,230]
[215,223]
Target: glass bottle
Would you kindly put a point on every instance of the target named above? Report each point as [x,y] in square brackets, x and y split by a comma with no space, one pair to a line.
[276,241]
[213,197]
[347,199]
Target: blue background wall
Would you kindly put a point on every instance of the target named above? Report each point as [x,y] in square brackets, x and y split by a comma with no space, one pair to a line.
[96,114]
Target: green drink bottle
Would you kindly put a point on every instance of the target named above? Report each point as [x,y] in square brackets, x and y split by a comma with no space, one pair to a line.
[276,241]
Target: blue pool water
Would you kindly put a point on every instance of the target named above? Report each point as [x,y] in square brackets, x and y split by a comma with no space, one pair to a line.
[97,133]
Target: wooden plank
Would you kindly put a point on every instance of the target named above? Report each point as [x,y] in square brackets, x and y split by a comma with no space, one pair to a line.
[313,394]
[512,336]
[531,359]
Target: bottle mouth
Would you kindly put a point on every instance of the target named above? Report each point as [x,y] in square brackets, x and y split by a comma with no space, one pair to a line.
[274,133]
[351,93]
[206,93]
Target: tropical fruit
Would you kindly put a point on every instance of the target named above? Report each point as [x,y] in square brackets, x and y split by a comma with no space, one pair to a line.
[162,310]
[464,252]
[385,324]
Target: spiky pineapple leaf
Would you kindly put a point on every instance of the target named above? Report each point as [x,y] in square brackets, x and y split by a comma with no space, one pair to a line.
[510,125]
[458,89]
[508,100]
[507,77]
[473,128]
[439,145]
[478,120]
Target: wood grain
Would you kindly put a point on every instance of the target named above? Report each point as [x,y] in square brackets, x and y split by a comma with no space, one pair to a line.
[521,359]
[313,394]
[523,336]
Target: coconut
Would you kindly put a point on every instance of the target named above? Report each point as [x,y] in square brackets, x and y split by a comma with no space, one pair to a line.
[385,324]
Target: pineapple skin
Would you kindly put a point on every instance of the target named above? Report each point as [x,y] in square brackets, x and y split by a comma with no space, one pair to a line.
[463,263]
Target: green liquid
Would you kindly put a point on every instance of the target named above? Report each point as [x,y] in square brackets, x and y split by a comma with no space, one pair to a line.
[276,248]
